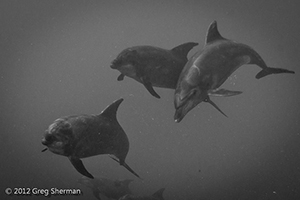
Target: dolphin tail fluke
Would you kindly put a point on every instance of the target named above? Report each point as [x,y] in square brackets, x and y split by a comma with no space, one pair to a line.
[270,70]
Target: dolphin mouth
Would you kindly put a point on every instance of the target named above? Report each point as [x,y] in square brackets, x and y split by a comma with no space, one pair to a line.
[180,102]
[185,104]
[113,66]
[45,142]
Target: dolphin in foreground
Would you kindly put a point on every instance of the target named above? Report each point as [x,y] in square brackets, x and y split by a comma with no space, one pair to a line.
[153,66]
[112,189]
[209,68]
[83,136]
[158,195]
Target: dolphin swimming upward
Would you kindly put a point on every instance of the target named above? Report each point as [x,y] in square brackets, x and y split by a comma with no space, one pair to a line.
[209,68]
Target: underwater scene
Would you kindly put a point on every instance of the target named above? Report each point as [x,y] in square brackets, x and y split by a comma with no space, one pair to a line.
[150,99]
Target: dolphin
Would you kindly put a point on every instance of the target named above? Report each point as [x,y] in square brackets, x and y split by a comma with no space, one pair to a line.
[113,189]
[153,66]
[209,68]
[82,136]
[158,195]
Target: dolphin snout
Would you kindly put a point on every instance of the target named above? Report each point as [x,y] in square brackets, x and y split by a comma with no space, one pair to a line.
[45,142]
[178,101]
[114,64]
[178,117]
[48,139]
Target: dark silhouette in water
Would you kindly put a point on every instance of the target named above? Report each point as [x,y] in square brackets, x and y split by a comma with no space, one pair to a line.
[83,136]
[209,68]
[110,188]
[153,66]
[158,195]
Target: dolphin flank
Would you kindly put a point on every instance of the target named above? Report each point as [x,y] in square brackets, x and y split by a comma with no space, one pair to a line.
[153,66]
[209,68]
[82,136]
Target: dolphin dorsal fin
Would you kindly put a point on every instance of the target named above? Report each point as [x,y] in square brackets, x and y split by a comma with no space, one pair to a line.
[183,49]
[111,110]
[159,194]
[213,33]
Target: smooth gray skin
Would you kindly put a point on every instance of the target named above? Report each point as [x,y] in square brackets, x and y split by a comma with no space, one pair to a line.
[209,68]
[157,67]
[153,66]
[158,195]
[83,136]
[113,189]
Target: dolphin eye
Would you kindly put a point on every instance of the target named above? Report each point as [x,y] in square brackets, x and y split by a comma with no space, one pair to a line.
[194,92]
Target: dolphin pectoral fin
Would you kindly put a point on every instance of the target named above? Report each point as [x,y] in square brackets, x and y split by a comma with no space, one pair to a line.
[214,105]
[131,170]
[149,87]
[121,77]
[223,93]
[77,163]
[270,70]
[126,166]
[44,150]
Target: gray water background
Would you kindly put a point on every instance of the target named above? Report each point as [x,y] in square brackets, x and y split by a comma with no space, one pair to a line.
[55,58]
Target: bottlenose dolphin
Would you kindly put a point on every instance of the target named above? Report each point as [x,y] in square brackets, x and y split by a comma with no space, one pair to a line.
[158,195]
[83,136]
[209,68]
[153,66]
[113,189]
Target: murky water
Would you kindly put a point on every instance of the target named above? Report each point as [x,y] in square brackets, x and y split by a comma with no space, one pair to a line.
[55,58]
